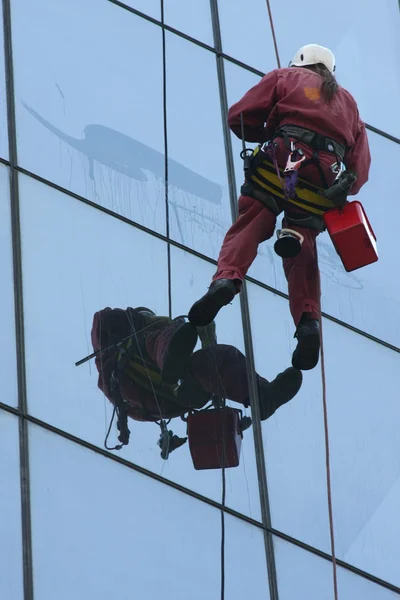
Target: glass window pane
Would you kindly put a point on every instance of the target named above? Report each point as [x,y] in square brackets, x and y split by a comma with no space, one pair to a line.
[192,18]
[364,442]
[350,39]
[11,583]
[3,97]
[366,298]
[238,82]
[148,7]
[302,575]
[84,104]
[246,572]
[8,365]
[191,277]
[294,435]
[84,261]
[103,530]
[199,206]
[237,24]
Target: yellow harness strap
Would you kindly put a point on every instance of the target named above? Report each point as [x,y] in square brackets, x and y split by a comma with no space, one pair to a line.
[308,197]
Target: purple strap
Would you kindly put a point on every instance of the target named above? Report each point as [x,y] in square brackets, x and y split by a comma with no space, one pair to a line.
[290,181]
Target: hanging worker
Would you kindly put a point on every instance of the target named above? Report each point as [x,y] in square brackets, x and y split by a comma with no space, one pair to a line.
[158,375]
[313,151]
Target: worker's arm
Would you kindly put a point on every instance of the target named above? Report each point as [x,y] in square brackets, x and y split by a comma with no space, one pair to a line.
[358,159]
[255,105]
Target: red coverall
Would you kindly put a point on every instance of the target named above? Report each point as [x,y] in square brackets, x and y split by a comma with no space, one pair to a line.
[291,96]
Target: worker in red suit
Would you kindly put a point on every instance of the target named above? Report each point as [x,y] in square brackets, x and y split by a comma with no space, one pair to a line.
[306,122]
[147,362]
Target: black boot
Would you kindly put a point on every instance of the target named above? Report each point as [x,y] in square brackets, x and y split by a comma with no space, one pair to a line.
[282,389]
[220,293]
[306,355]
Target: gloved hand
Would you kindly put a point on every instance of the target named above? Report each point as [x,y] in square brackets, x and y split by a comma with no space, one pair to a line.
[338,192]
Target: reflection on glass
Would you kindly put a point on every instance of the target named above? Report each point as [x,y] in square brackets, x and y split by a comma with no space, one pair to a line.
[11,580]
[84,104]
[366,298]
[363,412]
[302,575]
[348,33]
[82,262]
[190,276]
[8,366]
[192,18]
[133,535]
[199,212]
[237,24]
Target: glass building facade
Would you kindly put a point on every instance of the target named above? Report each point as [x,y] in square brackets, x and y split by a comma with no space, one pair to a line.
[119,179]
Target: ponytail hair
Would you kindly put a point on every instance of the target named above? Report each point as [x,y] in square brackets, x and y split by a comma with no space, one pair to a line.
[329,85]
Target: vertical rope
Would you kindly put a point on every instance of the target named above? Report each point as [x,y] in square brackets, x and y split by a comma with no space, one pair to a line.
[327,450]
[273,34]
[222,508]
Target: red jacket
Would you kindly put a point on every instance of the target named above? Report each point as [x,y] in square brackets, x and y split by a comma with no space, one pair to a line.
[291,96]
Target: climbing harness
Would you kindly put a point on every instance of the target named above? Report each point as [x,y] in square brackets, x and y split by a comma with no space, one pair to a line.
[346,222]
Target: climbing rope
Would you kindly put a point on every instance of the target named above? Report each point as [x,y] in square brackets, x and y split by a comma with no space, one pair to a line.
[327,451]
[273,34]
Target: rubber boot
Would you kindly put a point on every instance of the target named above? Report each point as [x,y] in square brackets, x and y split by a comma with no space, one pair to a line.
[306,355]
[171,349]
[220,293]
[280,391]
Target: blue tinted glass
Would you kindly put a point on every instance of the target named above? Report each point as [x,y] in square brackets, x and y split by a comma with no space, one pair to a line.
[348,30]
[302,575]
[191,277]
[363,411]
[199,209]
[192,18]
[102,529]
[8,366]
[11,580]
[148,7]
[3,102]
[246,33]
[99,128]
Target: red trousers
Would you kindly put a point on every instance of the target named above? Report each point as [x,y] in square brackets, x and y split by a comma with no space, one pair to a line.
[255,224]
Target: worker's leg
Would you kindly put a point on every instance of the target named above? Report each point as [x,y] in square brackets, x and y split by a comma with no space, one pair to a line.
[221,370]
[171,347]
[302,277]
[303,284]
[254,225]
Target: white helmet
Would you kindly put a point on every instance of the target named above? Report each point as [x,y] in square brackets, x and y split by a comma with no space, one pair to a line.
[312,55]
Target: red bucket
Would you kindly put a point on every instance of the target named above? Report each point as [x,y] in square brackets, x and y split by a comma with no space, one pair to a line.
[352,235]
[208,432]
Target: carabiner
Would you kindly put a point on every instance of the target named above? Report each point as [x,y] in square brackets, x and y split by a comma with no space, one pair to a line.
[294,165]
